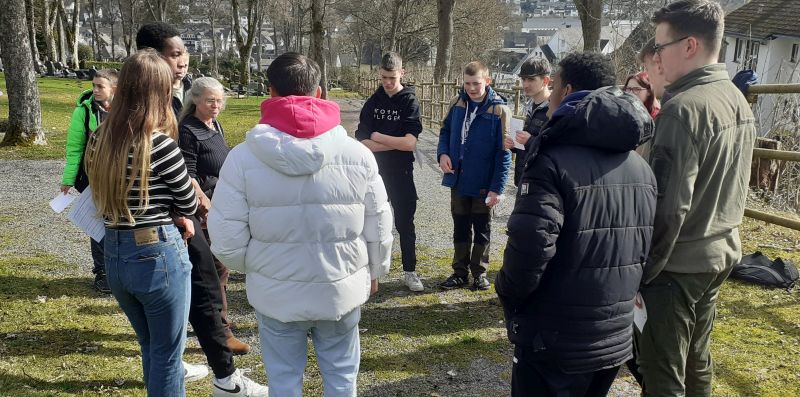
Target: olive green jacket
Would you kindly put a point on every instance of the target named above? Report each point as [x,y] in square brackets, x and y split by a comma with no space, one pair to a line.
[701,155]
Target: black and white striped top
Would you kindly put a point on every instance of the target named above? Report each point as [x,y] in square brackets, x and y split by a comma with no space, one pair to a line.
[169,185]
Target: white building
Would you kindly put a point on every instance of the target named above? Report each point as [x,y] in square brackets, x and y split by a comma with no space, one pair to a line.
[764,36]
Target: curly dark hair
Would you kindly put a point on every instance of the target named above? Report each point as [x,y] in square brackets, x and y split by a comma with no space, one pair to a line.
[154,34]
[587,71]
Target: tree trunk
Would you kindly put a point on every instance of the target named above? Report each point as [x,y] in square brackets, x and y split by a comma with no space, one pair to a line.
[62,39]
[396,4]
[95,35]
[245,44]
[591,14]
[72,32]
[260,53]
[444,48]
[31,19]
[48,29]
[214,63]
[274,40]
[318,42]
[24,108]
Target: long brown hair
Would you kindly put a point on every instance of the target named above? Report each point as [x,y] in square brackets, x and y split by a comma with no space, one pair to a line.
[141,106]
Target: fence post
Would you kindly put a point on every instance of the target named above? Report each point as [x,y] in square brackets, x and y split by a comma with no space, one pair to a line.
[517,99]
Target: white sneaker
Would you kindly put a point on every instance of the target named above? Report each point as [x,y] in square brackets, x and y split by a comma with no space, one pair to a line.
[413,282]
[240,386]
[193,372]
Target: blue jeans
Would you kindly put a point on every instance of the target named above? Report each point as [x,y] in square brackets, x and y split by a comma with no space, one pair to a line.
[149,271]
[284,349]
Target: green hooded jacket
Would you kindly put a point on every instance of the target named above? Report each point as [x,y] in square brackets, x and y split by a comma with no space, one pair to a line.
[77,135]
[701,155]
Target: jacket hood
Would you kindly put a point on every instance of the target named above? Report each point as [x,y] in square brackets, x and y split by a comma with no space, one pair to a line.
[606,118]
[492,98]
[402,95]
[291,155]
[85,98]
[300,116]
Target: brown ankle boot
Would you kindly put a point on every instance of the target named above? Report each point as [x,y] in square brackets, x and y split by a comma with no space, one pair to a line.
[238,347]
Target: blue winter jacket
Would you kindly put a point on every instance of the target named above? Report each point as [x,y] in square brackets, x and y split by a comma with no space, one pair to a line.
[482,164]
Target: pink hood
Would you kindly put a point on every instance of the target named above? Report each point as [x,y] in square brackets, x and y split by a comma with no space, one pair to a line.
[300,116]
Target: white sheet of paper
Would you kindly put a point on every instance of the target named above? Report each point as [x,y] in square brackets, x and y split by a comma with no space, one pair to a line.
[84,215]
[62,201]
[517,125]
[639,312]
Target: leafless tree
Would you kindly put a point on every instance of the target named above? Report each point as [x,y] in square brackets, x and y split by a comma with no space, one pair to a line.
[591,14]
[444,48]
[246,35]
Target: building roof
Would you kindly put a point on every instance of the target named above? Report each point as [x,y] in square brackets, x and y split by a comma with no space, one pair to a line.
[761,19]
[550,23]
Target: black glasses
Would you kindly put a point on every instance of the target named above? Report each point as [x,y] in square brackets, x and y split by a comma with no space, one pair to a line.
[657,48]
[634,90]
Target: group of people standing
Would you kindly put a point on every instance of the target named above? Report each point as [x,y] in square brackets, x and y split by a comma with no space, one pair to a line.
[628,191]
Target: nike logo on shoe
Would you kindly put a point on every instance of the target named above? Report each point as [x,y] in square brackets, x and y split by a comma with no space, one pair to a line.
[235,390]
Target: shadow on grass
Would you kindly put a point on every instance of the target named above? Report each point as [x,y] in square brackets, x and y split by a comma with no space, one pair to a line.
[420,321]
[58,342]
[29,288]
[27,385]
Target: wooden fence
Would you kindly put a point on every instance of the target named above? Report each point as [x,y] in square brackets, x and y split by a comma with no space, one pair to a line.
[435,98]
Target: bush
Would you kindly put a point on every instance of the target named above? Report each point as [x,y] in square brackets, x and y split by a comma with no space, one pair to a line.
[103,65]
[85,53]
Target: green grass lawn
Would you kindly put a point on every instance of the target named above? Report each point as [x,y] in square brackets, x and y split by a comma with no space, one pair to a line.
[58,337]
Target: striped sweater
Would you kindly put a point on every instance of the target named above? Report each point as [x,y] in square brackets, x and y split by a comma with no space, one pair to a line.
[170,187]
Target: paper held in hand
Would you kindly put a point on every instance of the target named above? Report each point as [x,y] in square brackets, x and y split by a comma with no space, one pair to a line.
[639,312]
[516,125]
[84,215]
[62,201]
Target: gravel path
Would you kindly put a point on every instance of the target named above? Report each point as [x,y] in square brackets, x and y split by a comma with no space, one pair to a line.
[27,186]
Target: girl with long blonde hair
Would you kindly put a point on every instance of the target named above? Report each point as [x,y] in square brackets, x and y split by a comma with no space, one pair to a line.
[138,179]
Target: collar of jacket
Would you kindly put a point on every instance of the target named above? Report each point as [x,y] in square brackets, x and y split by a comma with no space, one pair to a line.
[700,76]
[300,116]
[492,98]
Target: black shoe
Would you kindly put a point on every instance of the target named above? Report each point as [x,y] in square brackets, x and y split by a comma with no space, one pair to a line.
[481,283]
[453,281]
[101,283]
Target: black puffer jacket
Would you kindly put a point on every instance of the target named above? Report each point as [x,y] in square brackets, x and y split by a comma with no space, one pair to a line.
[580,232]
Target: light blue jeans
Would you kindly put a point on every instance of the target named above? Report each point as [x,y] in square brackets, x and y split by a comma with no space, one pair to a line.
[150,278]
[284,349]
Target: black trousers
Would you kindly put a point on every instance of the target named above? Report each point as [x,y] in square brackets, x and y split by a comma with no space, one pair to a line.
[98,256]
[403,197]
[534,374]
[205,310]
[471,217]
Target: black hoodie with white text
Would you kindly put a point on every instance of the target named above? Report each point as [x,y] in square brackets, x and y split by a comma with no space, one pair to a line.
[396,116]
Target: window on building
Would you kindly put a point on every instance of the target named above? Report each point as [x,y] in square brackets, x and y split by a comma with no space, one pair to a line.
[737,52]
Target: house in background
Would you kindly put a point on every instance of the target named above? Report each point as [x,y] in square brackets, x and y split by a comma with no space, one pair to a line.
[764,35]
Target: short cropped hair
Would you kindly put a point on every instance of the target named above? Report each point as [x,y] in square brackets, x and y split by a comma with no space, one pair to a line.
[587,71]
[108,74]
[294,74]
[476,68]
[391,61]
[154,34]
[535,67]
[704,19]
[648,51]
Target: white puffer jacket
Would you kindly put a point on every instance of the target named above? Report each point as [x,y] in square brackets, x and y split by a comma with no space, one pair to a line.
[303,212]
